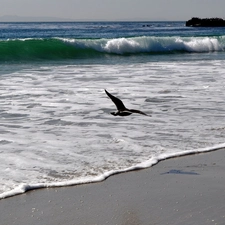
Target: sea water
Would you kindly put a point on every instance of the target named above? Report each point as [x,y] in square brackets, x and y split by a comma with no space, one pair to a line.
[55,123]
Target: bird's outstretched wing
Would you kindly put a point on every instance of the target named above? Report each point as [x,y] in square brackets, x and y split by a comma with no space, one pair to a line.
[137,111]
[119,104]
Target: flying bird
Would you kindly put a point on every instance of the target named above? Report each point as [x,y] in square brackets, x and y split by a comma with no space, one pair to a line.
[122,110]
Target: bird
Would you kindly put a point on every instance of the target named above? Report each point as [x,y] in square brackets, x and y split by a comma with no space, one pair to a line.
[122,110]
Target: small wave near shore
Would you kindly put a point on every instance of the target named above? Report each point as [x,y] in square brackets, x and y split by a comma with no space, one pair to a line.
[151,162]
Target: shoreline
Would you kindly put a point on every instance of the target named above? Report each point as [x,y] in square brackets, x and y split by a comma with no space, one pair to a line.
[182,190]
[24,188]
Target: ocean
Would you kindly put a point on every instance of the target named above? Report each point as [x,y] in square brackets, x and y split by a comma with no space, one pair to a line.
[55,122]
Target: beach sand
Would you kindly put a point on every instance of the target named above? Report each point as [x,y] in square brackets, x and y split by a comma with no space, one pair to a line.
[183,190]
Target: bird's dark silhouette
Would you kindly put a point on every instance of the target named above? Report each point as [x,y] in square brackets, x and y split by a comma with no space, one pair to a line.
[122,110]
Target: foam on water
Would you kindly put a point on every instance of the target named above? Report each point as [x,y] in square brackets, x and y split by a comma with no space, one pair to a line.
[27,187]
[56,128]
[146,44]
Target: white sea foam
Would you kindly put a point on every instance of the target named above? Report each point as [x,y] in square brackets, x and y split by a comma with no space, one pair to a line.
[56,128]
[22,188]
[151,44]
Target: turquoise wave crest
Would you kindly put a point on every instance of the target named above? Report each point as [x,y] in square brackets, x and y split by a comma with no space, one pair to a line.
[61,48]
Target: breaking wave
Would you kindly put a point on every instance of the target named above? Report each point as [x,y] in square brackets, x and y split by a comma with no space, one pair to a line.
[60,48]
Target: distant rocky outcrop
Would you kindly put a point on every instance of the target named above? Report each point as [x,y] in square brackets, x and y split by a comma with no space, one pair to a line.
[207,22]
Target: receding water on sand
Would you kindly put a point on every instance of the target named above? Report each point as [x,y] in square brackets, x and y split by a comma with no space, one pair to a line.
[56,127]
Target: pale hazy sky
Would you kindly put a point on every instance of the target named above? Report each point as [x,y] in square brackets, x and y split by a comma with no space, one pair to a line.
[114,9]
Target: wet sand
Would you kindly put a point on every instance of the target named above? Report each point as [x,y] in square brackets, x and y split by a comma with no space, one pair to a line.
[184,190]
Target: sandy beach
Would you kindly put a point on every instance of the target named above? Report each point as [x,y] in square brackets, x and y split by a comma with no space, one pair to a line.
[183,190]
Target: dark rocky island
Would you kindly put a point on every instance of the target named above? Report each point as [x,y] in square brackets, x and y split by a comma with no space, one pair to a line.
[207,22]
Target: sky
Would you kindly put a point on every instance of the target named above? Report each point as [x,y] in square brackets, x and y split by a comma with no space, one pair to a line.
[111,10]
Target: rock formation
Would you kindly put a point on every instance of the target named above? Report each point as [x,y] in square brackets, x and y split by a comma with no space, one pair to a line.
[207,22]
